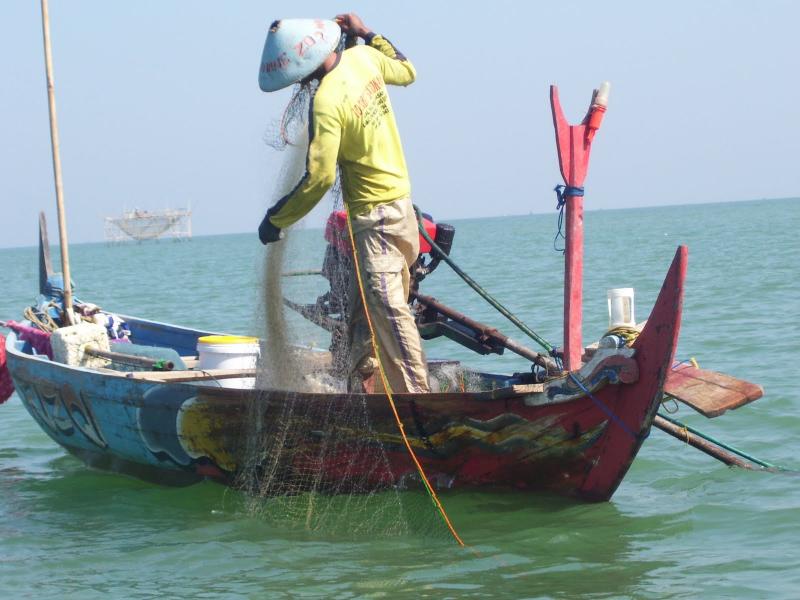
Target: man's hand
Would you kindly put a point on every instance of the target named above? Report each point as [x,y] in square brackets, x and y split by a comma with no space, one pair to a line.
[267,232]
[352,24]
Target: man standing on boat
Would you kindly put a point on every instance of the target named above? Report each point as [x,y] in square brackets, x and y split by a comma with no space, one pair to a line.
[351,123]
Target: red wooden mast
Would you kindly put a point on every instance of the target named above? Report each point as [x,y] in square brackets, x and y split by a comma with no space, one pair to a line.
[574,143]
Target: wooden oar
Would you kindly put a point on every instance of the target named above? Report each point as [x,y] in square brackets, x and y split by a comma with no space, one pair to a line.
[727,454]
[489,332]
[130,359]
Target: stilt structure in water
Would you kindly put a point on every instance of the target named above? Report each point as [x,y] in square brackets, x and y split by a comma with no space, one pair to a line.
[140,225]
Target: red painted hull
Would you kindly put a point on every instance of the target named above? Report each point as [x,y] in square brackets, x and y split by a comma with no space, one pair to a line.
[579,447]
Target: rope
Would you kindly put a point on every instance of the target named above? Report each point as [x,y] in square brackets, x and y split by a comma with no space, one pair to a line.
[42,319]
[562,191]
[482,292]
[628,334]
[605,409]
[674,408]
[412,454]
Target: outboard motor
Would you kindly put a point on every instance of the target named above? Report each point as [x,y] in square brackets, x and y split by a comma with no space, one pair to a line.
[443,238]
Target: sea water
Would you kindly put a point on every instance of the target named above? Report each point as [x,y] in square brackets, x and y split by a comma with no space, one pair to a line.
[681,525]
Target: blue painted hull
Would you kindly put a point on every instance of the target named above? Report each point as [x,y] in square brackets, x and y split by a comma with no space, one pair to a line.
[109,420]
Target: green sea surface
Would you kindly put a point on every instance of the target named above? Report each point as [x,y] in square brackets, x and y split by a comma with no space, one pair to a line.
[681,525]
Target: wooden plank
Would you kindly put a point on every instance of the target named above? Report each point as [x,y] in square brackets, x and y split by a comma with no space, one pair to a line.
[190,361]
[708,392]
[524,389]
[182,376]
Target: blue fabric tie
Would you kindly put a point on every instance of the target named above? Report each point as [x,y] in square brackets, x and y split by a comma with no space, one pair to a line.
[562,191]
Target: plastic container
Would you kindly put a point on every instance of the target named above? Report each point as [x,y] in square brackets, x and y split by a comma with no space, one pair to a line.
[620,308]
[227,352]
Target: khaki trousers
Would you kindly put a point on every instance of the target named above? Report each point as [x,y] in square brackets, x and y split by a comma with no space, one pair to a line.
[387,242]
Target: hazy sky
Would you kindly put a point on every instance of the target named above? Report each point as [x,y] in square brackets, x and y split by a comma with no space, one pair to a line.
[158,105]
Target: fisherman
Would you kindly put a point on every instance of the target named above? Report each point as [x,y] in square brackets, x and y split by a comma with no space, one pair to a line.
[351,123]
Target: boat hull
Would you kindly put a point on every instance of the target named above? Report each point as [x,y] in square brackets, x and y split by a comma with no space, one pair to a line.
[568,442]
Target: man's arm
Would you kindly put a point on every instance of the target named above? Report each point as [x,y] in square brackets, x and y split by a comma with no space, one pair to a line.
[320,174]
[395,68]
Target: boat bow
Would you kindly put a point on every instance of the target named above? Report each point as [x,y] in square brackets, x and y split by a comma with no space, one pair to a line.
[634,406]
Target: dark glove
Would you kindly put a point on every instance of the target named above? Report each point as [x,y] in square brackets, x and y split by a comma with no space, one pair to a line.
[267,232]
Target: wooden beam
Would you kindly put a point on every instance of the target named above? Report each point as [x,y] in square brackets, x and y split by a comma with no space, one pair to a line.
[184,376]
[703,445]
[69,316]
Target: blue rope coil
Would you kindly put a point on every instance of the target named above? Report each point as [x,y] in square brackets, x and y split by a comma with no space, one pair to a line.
[557,354]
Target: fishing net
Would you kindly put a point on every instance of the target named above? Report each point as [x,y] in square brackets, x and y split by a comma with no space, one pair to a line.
[314,457]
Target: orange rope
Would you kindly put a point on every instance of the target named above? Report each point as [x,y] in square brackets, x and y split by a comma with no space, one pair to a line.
[388,389]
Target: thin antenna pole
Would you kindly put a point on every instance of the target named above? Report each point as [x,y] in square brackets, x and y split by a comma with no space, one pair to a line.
[69,316]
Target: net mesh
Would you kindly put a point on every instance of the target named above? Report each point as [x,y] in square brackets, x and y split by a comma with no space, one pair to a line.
[315,458]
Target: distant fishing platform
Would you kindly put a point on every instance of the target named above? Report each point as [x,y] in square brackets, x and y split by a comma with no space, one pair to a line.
[140,225]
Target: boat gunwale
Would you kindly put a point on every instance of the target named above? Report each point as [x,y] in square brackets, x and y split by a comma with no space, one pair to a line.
[531,394]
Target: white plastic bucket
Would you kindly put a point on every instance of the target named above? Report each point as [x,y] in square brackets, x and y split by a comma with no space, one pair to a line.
[620,308]
[227,352]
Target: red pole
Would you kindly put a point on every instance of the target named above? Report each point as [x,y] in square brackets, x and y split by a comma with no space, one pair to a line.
[573,283]
[574,142]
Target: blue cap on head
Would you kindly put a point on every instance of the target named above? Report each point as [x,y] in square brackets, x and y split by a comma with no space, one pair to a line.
[294,49]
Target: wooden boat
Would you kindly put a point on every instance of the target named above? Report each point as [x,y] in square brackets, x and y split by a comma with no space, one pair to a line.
[574,432]
[179,426]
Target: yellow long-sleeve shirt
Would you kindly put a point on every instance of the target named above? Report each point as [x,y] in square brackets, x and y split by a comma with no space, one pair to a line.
[351,122]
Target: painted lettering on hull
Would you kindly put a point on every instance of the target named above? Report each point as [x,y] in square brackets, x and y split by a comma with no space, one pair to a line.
[62,410]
